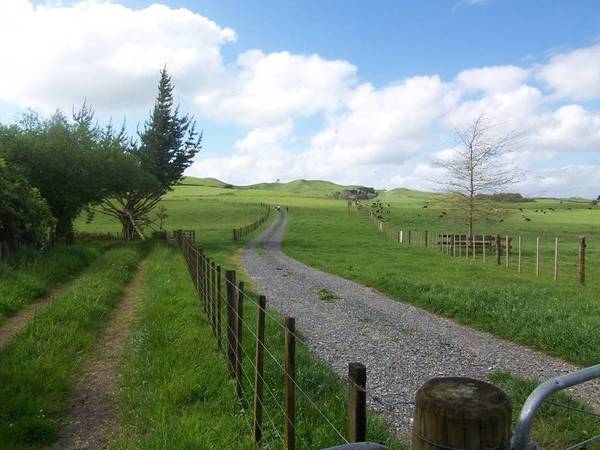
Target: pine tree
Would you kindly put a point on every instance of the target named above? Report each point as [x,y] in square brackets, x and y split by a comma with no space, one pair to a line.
[167,146]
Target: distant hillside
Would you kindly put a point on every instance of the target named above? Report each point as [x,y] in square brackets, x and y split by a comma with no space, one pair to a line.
[309,188]
[302,187]
[210,182]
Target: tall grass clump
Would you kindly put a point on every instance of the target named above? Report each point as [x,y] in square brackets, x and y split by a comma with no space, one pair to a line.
[30,275]
[38,367]
[176,386]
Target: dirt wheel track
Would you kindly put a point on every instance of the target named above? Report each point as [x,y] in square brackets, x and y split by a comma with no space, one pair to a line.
[93,418]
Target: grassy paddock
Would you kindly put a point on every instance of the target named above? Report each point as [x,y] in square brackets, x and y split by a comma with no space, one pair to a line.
[187,395]
[29,275]
[39,366]
[176,387]
[558,320]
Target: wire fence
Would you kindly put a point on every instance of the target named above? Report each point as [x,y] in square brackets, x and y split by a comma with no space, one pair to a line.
[239,233]
[283,400]
[280,394]
[561,258]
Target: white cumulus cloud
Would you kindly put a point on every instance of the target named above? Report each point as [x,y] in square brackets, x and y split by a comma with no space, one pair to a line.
[56,56]
[270,88]
[574,75]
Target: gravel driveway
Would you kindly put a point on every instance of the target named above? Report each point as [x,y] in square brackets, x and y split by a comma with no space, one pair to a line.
[401,345]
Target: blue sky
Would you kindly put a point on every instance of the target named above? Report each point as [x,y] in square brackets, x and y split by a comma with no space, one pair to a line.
[352,91]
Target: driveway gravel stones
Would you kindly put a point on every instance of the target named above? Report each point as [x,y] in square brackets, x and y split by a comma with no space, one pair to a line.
[401,345]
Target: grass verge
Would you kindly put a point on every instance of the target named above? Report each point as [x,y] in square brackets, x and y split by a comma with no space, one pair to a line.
[555,427]
[178,388]
[38,367]
[29,276]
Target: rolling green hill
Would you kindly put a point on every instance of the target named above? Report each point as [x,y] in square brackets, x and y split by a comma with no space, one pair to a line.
[306,188]
[208,182]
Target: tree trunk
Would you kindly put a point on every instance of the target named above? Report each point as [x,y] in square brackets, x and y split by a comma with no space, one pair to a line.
[64,230]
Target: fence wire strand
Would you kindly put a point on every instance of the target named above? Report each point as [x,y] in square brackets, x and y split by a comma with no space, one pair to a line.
[207,304]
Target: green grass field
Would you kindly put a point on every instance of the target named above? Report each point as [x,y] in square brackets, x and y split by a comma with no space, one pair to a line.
[29,276]
[560,319]
[187,396]
[39,366]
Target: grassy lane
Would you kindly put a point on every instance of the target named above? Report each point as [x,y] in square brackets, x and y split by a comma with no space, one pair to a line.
[178,389]
[30,276]
[561,321]
[38,367]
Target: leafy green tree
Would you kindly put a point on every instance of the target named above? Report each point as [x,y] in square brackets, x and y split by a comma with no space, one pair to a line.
[24,214]
[74,164]
[167,145]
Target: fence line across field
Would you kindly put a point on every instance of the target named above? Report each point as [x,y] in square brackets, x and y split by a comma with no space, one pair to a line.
[222,300]
[239,233]
[215,291]
[505,250]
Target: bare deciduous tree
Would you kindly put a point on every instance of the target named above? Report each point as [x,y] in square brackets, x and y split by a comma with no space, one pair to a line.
[477,168]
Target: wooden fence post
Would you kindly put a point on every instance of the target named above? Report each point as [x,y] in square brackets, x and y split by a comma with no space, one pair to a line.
[409,237]
[290,384]
[230,280]
[582,246]
[537,256]
[507,250]
[259,362]
[426,238]
[498,249]
[219,291]
[461,413]
[484,246]
[239,328]
[357,402]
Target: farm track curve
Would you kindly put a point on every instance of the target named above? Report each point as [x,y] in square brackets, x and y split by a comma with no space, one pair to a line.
[93,417]
[402,345]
